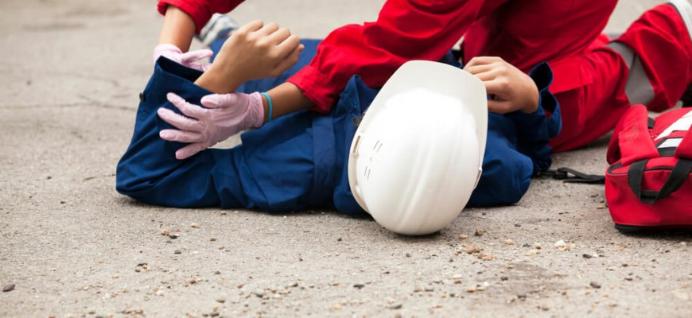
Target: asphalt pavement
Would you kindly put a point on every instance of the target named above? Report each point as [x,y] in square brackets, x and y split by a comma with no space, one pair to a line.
[71,246]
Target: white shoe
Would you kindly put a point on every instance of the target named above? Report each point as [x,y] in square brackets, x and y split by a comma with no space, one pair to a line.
[219,25]
[685,10]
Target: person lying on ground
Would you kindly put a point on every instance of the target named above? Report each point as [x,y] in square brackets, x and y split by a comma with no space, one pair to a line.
[298,160]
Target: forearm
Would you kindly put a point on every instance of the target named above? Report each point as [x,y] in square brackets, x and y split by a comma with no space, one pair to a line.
[178,29]
[286,98]
[213,81]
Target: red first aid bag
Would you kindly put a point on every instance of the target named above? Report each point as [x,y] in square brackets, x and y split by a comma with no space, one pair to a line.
[648,183]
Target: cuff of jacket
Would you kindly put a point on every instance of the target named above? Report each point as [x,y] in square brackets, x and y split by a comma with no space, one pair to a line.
[199,14]
[534,130]
[312,84]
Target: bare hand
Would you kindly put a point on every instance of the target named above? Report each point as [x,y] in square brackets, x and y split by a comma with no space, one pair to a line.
[509,88]
[254,51]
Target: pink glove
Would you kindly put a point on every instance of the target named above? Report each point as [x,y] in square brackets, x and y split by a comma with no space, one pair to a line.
[198,59]
[224,115]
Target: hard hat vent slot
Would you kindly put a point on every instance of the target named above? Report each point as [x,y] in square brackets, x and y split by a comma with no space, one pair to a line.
[378,146]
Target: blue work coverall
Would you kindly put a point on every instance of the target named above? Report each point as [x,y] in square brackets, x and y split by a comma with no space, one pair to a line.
[299,161]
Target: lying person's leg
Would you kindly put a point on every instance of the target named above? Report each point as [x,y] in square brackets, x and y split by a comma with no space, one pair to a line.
[506,171]
[149,170]
[280,154]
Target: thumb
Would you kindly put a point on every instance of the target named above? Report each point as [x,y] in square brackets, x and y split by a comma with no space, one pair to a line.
[219,100]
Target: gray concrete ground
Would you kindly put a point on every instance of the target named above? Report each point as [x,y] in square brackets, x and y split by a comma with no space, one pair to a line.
[71,71]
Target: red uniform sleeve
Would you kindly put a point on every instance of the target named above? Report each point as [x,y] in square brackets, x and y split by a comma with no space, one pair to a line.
[199,10]
[405,30]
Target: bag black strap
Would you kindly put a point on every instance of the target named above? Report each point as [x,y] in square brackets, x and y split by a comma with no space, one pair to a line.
[569,175]
[677,177]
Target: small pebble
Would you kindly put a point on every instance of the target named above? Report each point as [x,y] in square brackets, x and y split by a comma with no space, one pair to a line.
[170,234]
[358,286]
[396,306]
[194,225]
[7,288]
[141,267]
[220,300]
[595,285]
[471,249]
[485,256]
[177,252]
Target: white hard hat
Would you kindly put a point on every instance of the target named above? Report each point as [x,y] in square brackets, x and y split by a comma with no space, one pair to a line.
[417,154]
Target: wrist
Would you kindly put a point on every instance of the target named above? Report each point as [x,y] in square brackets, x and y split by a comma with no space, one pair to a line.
[531,104]
[178,28]
[217,81]
[268,107]
[259,105]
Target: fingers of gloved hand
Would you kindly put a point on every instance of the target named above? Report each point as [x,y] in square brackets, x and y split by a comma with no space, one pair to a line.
[178,121]
[196,58]
[168,50]
[220,100]
[289,61]
[180,136]
[190,150]
[189,110]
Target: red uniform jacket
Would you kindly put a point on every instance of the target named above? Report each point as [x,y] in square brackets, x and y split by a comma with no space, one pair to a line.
[524,33]
[405,30]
